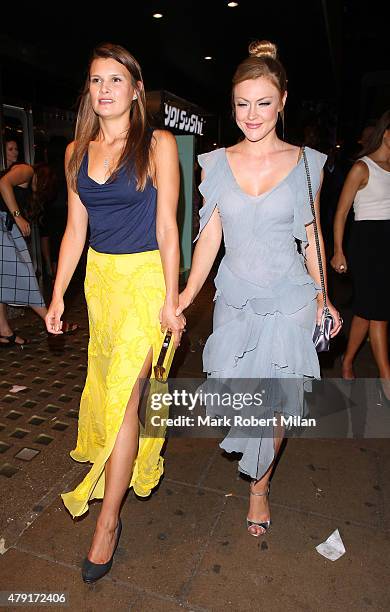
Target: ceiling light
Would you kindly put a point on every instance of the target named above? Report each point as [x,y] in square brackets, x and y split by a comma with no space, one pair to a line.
[208,57]
[232,4]
[158,15]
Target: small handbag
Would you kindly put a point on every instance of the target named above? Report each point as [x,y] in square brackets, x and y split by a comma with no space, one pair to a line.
[321,335]
[165,358]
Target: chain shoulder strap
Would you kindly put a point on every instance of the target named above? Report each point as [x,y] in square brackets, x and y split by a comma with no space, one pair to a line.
[318,248]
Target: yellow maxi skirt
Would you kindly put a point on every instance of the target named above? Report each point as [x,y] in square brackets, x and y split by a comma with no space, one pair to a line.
[124,294]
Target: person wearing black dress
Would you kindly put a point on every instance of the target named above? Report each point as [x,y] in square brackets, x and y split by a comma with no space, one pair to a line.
[367,187]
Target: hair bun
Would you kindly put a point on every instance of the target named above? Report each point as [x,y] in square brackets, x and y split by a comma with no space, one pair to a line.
[263,48]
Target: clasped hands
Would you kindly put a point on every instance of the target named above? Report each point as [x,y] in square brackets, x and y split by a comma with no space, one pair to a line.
[176,323]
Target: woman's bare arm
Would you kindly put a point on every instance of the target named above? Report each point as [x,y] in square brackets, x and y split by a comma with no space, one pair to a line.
[204,256]
[313,268]
[311,250]
[356,179]
[205,253]
[167,173]
[21,174]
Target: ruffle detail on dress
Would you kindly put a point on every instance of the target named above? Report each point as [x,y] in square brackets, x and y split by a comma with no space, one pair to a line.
[210,187]
[287,297]
[303,215]
[257,452]
[229,342]
[262,316]
[292,348]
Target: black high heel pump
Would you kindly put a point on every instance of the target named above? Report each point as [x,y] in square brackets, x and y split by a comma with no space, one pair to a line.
[91,572]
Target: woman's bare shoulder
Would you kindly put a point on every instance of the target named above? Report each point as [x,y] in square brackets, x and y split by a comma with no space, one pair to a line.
[163,145]
[19,174]
[359,168]
[70,149]
[163,137]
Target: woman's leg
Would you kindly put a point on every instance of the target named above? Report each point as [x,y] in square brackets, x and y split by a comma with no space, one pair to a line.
[358,332]
[380,349]
[118,472]
[5,329]
[259,504]
[41,311]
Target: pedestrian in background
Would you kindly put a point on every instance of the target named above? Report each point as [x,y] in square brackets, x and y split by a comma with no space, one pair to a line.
[18,281]
[367,188]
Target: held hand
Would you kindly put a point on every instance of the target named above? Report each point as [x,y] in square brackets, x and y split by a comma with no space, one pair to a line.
[53,317]
[169,320]
[339,263]
[23,225]
[337,320]
[185,300]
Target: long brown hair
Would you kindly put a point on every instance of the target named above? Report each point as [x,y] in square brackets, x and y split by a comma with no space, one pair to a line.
[136,151]
[376,137]
[262,62]
[46,187]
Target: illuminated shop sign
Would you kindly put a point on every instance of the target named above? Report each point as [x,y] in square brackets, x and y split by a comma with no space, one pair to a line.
[182,120]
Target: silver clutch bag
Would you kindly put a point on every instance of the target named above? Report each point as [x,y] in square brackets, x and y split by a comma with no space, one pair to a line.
[321,335]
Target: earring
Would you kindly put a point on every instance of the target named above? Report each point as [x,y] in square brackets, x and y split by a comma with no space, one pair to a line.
[281,116]
[135,97]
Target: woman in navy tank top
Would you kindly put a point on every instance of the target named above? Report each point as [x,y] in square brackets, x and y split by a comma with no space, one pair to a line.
[123,179]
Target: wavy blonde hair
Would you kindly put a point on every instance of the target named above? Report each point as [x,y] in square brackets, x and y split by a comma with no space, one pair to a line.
[136,152]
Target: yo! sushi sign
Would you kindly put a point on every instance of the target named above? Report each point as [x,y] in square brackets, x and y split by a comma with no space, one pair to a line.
[182,120]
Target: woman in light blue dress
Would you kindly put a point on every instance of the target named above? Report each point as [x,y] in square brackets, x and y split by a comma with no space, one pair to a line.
[267,290]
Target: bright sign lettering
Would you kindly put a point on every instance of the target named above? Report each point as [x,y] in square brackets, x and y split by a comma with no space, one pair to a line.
[180,119]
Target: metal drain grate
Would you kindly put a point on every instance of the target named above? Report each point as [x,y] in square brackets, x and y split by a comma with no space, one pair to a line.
[26,454]
[36,421]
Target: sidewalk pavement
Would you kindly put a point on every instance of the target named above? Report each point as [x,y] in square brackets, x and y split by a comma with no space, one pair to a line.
[186,547]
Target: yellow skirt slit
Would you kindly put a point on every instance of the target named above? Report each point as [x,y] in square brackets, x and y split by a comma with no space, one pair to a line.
[124,294]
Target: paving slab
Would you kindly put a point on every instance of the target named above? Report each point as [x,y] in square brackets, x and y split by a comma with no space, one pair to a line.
[165,604]
[188,459]
[384,487]
[39,574]
[283,571]
[161,541]
[326,476]
[320,476]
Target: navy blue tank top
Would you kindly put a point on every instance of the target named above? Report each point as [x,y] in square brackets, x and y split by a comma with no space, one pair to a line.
[121,219]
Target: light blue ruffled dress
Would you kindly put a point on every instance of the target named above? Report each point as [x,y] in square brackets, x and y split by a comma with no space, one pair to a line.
[265,300]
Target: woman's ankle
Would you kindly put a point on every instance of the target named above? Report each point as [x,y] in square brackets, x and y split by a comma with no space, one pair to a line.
[107,523]
[259,487]
[384,374]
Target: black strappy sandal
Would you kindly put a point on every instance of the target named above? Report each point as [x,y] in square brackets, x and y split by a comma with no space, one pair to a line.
[11,341]
[264,524]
